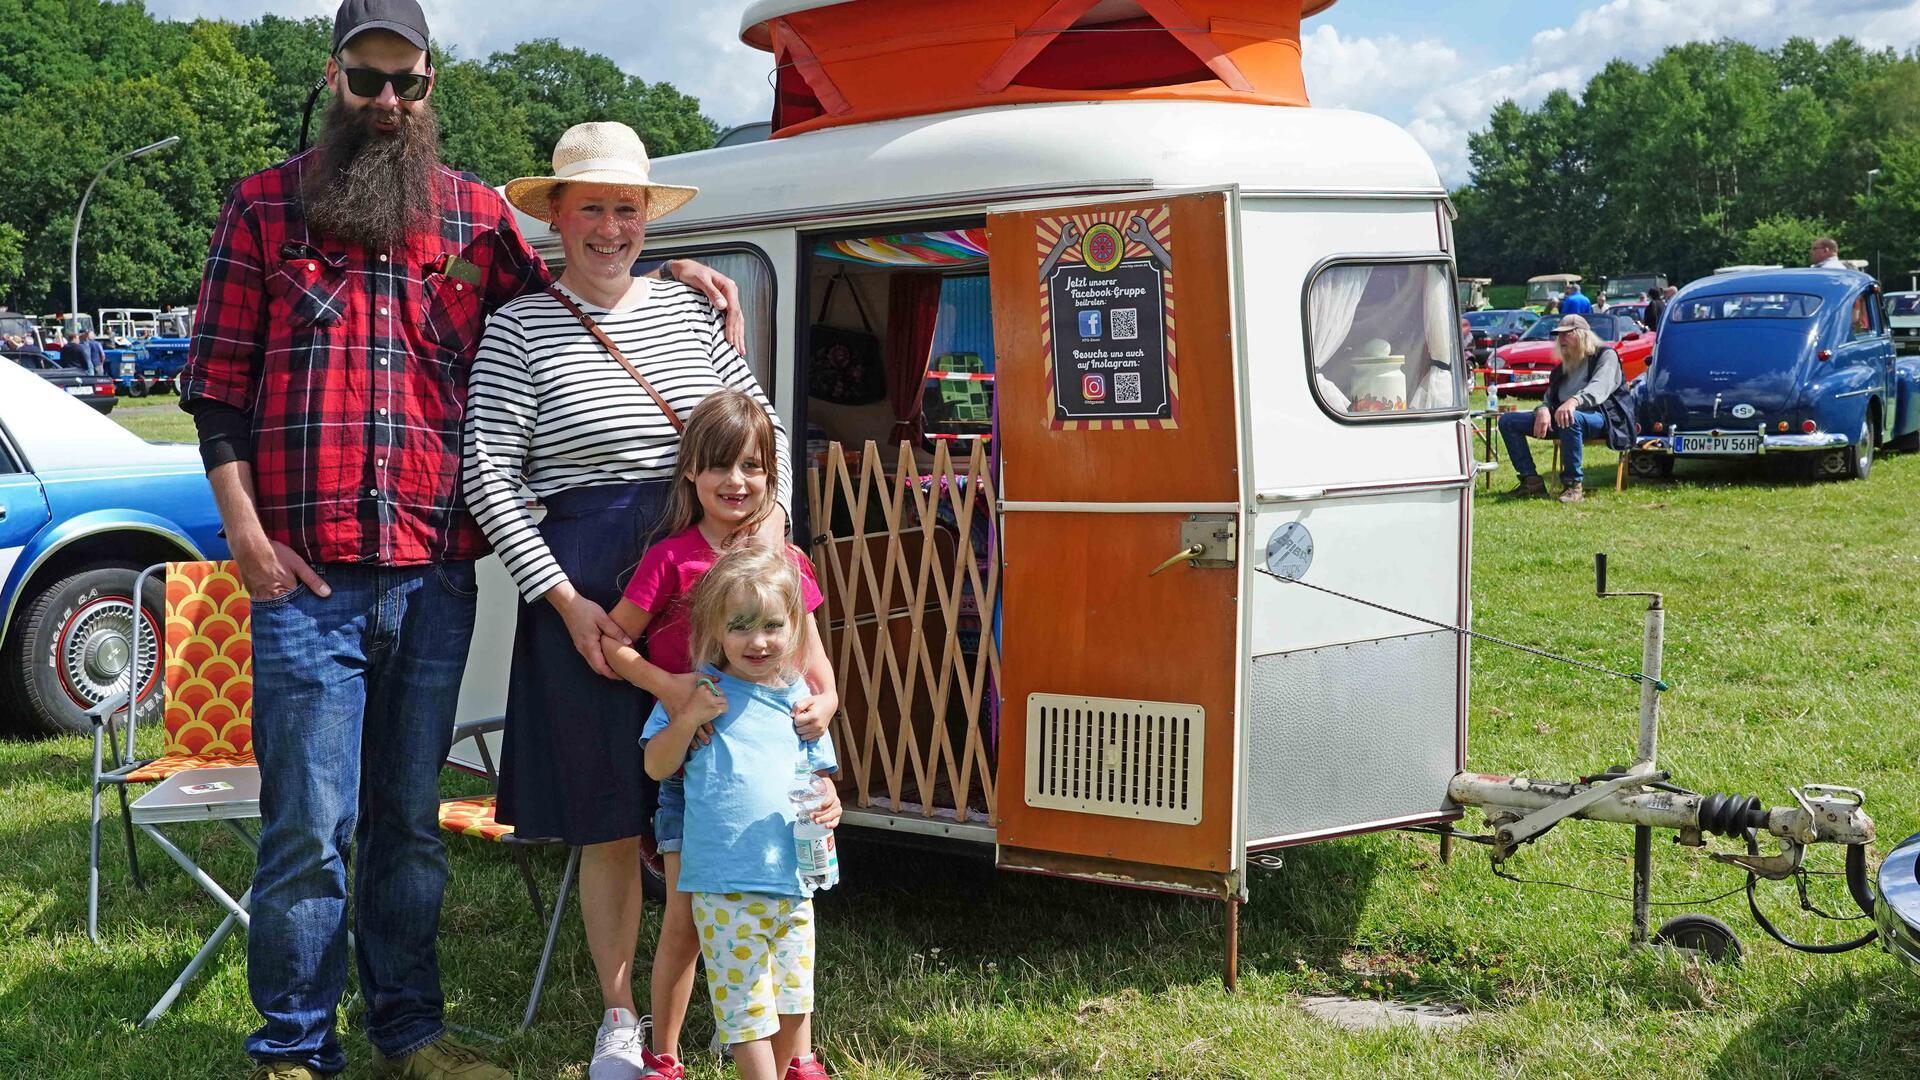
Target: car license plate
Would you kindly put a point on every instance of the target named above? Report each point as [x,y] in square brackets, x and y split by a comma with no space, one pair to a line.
[1739,443]
[79,391]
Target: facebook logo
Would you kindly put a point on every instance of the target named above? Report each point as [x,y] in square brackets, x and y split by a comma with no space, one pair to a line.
[1090,324]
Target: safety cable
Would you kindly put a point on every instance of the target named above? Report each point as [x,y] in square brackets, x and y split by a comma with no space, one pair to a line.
[1753,905]
[1700,902]
[1630,676]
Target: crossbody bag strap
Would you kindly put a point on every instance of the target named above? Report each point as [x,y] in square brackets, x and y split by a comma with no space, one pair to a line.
[614,351]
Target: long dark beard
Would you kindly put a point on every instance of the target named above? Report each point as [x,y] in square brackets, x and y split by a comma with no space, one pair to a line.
[372,188]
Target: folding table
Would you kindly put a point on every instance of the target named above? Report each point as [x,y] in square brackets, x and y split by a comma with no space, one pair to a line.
[231,795]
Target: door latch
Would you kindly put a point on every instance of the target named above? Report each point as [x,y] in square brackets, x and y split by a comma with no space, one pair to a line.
[1207,541]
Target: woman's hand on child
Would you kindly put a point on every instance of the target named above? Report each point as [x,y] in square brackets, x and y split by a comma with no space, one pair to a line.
[693,698]
[829,812]
[812,716]
[587,622]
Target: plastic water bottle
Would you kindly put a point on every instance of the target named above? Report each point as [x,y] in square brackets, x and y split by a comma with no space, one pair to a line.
[813,844]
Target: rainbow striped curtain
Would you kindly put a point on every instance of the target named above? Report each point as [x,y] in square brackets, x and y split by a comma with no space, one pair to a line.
[942,249]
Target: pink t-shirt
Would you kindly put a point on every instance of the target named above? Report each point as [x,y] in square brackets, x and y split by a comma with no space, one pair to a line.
[667,573]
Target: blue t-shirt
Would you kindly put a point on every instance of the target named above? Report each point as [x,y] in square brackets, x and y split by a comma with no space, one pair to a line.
[1575,304]
[739,821]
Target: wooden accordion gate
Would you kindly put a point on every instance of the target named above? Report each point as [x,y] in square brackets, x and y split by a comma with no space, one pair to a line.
[909,564]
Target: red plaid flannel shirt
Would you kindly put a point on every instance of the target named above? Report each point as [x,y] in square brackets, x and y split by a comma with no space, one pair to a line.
[352,366]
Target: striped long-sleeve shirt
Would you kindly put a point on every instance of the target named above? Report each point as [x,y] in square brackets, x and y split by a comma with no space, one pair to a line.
[548,407]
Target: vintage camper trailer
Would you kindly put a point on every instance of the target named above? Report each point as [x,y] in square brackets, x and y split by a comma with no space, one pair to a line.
[1089,342]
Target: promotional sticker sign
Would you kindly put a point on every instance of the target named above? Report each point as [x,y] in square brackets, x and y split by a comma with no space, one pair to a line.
[1106,309]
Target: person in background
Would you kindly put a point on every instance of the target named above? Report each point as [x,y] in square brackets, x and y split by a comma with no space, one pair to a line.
[1825,254]
[96,353]
[1600,300]
[343,298]
[1575,303]
[1588,374]
[1553,306]
[76,355]
[1656,309]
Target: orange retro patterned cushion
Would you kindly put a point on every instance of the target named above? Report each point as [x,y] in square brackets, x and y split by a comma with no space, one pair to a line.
[472,817]
[168,764]
[209,667]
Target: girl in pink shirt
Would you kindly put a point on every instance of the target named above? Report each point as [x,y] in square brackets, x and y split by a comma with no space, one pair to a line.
[722,496]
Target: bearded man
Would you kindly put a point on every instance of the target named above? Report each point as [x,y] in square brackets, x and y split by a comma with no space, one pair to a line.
[342,302]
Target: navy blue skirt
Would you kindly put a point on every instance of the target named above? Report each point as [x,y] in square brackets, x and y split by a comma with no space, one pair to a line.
[571,768]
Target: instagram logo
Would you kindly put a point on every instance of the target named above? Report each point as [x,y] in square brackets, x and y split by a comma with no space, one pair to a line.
[1093,387]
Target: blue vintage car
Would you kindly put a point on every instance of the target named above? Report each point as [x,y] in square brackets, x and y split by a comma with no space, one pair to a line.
[84,504]
[1778,361]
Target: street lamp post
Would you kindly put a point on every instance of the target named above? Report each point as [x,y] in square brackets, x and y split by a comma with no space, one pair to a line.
[1871,173]
[73,250]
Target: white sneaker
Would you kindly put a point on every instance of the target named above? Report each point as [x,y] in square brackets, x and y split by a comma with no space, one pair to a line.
[618,1048]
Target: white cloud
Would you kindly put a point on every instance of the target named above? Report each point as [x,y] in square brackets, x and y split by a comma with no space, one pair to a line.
[1422,82]
[693,44]
[1425,86]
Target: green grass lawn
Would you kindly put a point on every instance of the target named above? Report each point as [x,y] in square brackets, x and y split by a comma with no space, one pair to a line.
[156,417]
[1791,649]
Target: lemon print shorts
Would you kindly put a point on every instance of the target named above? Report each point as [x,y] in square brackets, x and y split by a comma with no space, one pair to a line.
[759,955]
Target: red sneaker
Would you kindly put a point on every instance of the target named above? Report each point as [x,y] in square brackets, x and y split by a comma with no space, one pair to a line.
[664,1066]
[809,1069]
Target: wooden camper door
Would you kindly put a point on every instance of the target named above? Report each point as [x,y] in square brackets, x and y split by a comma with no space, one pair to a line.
[1118,708]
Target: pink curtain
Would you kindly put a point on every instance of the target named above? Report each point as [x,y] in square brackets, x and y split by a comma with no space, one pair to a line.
[913,306]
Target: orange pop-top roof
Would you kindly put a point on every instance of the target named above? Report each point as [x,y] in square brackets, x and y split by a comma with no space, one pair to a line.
[852,61]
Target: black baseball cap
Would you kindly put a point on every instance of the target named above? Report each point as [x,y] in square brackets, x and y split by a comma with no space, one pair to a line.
[402,17]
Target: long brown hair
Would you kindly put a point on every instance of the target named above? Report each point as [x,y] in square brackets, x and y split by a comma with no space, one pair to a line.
[752,581]
[720,429]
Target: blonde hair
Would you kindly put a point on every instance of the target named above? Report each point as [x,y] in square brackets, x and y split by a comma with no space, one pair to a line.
[751,582]
[720,429]
[1589,344]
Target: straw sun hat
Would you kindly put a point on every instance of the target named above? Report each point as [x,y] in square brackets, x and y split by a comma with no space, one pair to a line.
[604,153]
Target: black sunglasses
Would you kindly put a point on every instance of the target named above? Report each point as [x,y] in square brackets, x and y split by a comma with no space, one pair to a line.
[368,82]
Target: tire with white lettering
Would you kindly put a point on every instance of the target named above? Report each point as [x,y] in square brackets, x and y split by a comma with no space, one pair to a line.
[73,647]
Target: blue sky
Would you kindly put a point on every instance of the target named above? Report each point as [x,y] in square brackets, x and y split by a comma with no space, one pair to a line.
[1434,66]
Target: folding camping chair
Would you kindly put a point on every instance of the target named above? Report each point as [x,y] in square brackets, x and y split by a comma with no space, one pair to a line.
[230,795]
[207,701]
[474,816]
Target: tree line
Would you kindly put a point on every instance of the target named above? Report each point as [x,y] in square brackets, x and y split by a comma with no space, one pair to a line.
[1712,154]
[82,81]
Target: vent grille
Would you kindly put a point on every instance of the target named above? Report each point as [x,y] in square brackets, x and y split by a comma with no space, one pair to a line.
[1121,758]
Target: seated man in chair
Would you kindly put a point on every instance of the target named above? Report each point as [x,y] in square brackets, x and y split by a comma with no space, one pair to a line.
[1588,374]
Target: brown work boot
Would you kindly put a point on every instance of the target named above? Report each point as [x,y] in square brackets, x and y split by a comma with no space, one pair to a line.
[285,1070]
[441,1059]
[1573,493]
[1530,486]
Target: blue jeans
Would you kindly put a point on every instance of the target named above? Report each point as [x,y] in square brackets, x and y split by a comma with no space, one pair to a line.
[1517,427]
[354,700]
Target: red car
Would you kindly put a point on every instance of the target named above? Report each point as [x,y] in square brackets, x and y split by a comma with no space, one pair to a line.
[1530,361]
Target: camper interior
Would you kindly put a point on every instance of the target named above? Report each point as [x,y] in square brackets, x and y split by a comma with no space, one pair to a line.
[897,375]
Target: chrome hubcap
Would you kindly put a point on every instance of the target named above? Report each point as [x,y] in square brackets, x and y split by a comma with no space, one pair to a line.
[96,656]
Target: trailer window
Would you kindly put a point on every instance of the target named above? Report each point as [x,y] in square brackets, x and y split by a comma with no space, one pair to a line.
[1383,340]
[751,271]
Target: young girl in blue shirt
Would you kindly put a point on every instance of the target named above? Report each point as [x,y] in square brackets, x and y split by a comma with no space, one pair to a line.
[751,908]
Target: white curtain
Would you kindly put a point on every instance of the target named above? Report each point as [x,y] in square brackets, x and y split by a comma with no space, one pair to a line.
[1437,389]
[1336,298]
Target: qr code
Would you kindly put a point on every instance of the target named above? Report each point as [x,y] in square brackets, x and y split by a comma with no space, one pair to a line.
[1124,323]
[1126,387]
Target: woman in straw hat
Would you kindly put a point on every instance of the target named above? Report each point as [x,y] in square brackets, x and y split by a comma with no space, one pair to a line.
[579,393]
